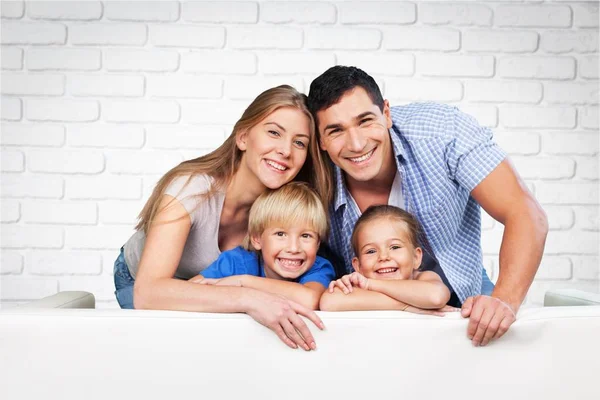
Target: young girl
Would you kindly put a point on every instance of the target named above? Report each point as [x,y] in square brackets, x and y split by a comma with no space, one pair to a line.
[200,208]
[279,255]
[387,260]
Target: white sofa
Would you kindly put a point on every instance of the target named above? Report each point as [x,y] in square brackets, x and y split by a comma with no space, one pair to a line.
[549,353]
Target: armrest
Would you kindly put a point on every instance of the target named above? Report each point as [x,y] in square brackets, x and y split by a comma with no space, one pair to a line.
[570,297]
[64,300]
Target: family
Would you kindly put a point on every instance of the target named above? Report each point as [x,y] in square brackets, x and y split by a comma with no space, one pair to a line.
[337,201]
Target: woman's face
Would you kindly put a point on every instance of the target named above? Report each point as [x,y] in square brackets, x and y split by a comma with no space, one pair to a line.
[275,149]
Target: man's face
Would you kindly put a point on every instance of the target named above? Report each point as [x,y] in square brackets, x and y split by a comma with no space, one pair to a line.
[354,132]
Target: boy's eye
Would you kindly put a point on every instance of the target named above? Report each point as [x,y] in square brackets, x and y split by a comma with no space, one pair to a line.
[279,233]
[307,236]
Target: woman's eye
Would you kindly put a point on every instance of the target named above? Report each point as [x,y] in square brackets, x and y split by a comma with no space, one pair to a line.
[300,144]
[274,133]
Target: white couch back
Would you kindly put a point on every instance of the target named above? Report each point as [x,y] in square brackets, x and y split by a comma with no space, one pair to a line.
[549,353]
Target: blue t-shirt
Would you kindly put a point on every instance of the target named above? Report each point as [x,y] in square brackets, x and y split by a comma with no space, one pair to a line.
[240,261]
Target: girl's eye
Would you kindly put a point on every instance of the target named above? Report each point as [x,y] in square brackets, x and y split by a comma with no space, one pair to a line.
[395,247]
[370,251]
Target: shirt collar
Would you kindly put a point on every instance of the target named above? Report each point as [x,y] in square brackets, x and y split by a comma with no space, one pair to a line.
[341,194]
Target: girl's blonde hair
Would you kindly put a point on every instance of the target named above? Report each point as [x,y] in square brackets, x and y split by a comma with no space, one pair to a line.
[223,163]
[294,204]
[392,213]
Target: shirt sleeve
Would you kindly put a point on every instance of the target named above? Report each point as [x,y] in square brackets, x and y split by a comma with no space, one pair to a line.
[232,262]
[321,272]
[472,155]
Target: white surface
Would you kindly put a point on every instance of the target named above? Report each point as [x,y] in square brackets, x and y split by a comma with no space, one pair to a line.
[549,353]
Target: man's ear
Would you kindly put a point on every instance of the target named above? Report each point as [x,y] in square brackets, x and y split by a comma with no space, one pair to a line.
[387,114]
[356,264]
[241,139]
[418,257]
[255,241]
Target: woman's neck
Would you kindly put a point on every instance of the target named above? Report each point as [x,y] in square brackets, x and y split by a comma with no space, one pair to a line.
[242,191]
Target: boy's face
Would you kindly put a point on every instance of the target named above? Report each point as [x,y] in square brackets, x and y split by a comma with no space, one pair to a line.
[287,252]
[385,251]
[354,132]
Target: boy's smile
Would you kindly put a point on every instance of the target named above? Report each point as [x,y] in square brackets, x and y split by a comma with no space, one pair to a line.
[287,252]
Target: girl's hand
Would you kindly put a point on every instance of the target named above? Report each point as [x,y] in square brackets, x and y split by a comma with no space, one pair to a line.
[282,317]
[346,282]
[440,312]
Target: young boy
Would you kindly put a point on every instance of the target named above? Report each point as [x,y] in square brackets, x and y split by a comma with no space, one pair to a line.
[279,255]
[387,260]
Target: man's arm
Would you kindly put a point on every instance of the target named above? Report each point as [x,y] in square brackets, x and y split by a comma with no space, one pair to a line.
[504,196]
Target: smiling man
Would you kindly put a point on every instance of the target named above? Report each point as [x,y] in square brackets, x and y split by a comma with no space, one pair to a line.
[441,165]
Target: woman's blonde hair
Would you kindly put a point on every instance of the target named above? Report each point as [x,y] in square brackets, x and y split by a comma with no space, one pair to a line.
[293,204]
[223,163]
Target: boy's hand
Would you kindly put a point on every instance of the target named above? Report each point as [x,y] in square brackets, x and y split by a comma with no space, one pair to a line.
[346,282]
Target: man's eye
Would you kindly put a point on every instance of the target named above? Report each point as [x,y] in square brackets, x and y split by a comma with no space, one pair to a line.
[364,120]
[334,131]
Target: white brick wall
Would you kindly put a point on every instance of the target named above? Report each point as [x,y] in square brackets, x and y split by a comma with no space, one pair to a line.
[99,98]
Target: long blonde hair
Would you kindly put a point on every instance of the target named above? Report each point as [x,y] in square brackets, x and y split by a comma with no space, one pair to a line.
[293,204]
[223,163]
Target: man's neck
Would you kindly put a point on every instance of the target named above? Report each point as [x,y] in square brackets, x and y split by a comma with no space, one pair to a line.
[376,190]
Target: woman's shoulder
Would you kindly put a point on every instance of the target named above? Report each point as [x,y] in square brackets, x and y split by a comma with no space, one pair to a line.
[189,185]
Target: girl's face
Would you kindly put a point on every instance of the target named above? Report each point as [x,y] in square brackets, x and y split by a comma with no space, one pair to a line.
[275,149]
[287,252]
[385,250]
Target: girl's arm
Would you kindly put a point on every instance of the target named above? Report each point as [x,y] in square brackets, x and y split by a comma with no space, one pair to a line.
[366,300]
[426,291]
[156,288]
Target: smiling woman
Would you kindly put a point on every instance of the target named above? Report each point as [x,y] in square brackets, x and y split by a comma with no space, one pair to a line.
[200,208]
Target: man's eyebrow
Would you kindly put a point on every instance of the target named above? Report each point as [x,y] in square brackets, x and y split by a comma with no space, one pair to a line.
[366,113]
[277,125]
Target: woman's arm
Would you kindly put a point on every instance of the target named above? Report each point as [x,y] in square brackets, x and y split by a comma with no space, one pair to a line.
[427,291]
[308,294]
[156,288]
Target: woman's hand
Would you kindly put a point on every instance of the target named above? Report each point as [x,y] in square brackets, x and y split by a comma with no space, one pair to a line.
[234,280]
[282,317]
[346,282]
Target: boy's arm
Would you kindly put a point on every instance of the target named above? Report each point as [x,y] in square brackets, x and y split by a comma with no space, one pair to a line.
[427,291]
[307,294]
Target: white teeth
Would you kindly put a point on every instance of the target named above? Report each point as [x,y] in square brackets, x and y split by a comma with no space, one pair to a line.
[386,270]
[290,263]
[362,158]
[276,165]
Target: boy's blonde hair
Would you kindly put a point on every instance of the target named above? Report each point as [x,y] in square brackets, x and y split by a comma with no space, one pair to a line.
[392,213]
[291,205]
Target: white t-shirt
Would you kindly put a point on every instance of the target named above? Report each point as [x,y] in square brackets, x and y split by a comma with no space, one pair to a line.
[202,245]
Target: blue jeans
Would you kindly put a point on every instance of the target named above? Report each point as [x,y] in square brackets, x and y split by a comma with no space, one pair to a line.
[486,285]
[123,282]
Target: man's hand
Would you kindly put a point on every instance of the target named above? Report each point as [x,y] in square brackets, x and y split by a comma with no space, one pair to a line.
[489,318]
[346,282]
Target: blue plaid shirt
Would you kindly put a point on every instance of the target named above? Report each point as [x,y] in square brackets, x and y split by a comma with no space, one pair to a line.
[441,154]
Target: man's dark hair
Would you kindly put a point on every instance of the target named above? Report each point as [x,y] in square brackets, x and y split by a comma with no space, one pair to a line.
[329,87]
